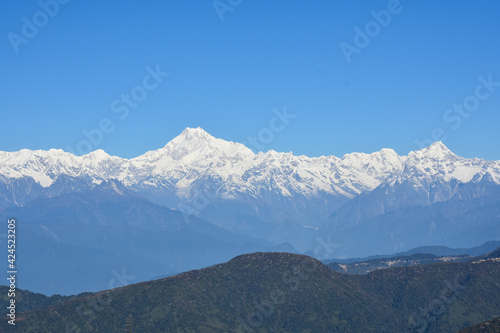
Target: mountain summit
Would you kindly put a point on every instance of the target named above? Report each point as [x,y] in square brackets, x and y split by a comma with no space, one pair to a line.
[197,139]
[437,150]
[197,133]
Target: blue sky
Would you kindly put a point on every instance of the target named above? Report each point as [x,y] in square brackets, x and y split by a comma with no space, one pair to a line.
[228,76]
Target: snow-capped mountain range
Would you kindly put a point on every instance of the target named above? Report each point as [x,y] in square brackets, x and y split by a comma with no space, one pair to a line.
[195,155]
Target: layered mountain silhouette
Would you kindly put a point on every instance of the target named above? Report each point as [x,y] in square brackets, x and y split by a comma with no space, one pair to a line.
[200,200]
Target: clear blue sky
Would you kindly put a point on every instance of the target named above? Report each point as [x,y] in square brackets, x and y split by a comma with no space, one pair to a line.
[227,76]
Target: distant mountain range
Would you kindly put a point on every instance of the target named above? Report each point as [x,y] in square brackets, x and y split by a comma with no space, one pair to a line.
[418,256]
[280,292]
[201,200]
[86,240]
[364,267]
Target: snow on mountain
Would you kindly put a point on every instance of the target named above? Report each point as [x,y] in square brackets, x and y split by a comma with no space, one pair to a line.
[46,166]
[194,152]
[195,156]
[437,162]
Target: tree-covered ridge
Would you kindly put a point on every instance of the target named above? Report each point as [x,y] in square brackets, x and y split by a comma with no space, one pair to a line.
[282,292]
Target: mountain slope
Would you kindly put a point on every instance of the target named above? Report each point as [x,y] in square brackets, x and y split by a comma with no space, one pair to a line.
[280,292]
[28,301]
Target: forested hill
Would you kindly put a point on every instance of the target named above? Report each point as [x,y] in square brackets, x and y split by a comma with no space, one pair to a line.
[282,292]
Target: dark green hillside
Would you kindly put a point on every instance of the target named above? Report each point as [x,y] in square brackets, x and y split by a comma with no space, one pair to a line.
[28,301]
[282,292]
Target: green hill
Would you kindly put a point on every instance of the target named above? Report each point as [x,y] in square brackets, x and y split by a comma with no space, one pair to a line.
[282,292]
[28,301]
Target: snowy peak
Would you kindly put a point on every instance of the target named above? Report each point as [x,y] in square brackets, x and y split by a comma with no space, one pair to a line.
[27,158]
[97,155]
[437,163]
[193,134]
[377,165]
[437,150]
[192,154]
[197,143]
[385,154]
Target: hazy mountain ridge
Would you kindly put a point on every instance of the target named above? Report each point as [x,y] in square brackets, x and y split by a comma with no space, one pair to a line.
[95,234]
[417,256]
[364,267]
[437,251]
